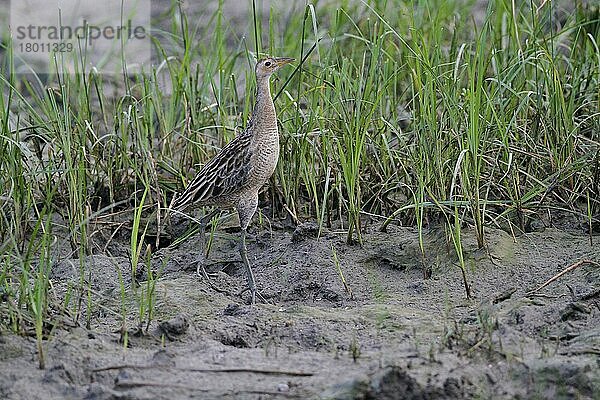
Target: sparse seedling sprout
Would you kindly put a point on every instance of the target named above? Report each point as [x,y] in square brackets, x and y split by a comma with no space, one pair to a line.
[355,349]
[338,267]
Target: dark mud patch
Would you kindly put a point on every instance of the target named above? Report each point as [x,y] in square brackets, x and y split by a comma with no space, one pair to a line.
[396,336]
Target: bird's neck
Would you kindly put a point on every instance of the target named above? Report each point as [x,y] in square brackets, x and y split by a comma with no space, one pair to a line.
[263,114]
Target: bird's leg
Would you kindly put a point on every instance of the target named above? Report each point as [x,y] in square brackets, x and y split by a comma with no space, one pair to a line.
[249,273]
[200,271]
[246,209]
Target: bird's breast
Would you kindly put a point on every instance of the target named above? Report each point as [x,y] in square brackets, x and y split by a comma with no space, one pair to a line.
[267,154]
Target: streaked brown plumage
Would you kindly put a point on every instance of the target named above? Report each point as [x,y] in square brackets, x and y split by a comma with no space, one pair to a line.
[234,177]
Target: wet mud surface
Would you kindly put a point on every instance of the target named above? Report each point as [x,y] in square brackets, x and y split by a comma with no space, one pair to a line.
[391,334]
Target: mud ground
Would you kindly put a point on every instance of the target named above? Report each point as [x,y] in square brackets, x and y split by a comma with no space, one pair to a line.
[396,336]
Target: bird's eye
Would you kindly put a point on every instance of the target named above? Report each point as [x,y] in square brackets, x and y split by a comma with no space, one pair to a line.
[268,64]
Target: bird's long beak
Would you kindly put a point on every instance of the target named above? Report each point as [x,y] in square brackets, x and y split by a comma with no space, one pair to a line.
[281,61]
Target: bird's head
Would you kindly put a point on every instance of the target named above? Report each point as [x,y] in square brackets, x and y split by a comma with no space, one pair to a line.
[267,66]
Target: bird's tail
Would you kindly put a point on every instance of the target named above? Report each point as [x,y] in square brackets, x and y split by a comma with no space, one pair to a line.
[181,200]
[177,205]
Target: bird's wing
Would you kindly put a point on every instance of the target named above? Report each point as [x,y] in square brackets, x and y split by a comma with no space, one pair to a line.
[227,171]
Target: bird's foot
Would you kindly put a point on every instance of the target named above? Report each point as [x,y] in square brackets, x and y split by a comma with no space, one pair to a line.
[254,294]
[214,267]
[201,272]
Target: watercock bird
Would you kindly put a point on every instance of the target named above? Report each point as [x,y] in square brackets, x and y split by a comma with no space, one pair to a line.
[234,177]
